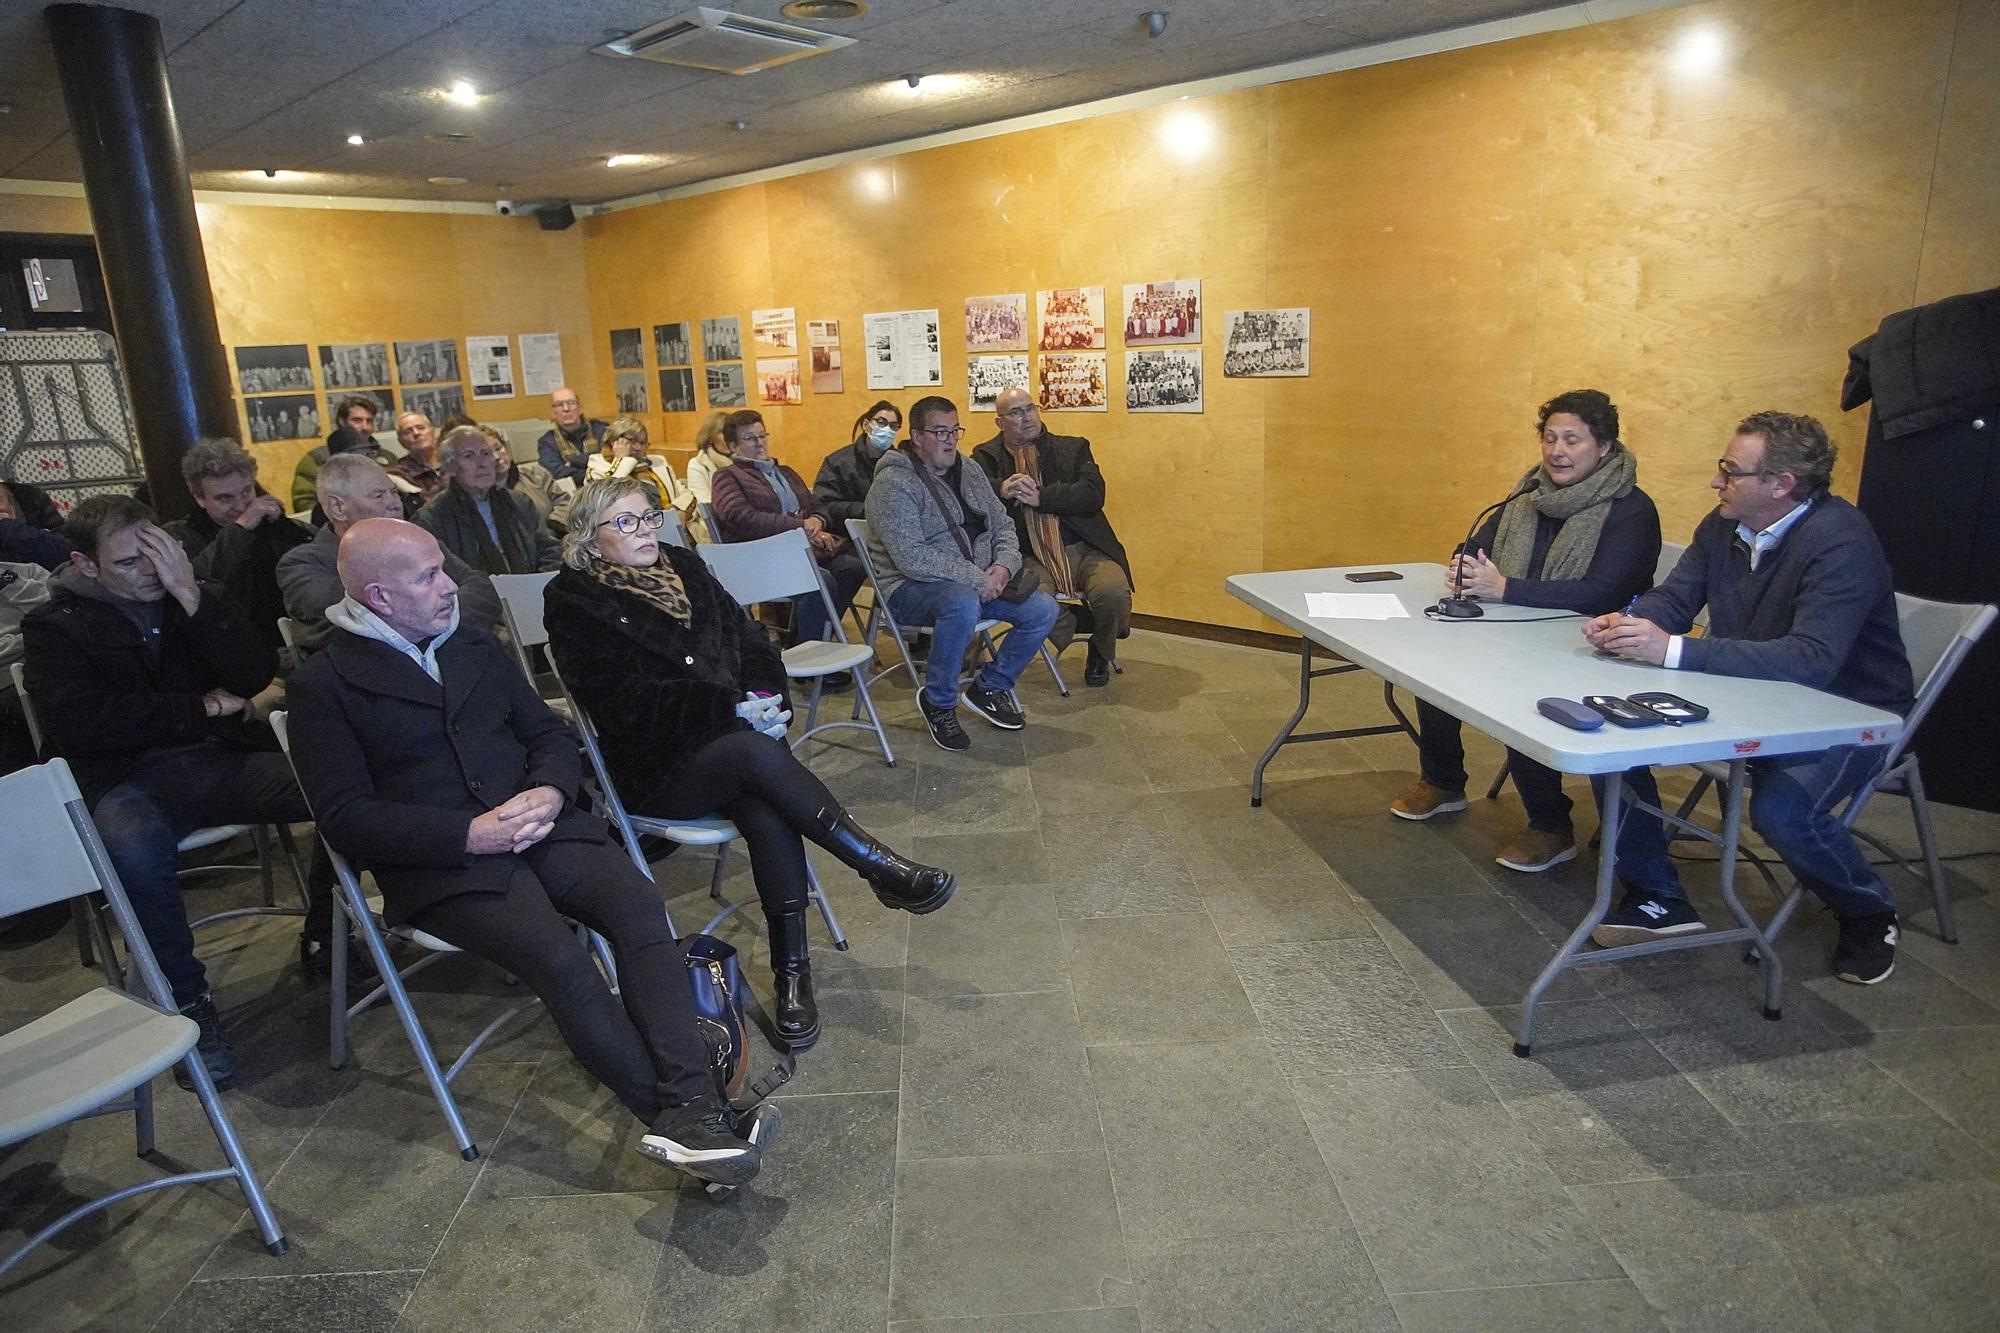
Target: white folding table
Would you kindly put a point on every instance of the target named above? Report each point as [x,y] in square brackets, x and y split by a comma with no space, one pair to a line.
[1490,671]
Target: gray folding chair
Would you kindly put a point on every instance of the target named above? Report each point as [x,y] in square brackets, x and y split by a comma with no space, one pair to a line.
[708,521]
[521,608]
[1936,636]
[1670,555]
[673,532]
[92,939]
[712,832]
[880,616]
[98,1054]
[778,569]
[364,915]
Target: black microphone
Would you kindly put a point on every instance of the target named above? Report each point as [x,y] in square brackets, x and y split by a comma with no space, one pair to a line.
[1459,606]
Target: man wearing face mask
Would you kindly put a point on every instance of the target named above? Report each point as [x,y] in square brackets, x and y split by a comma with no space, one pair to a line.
[848,472]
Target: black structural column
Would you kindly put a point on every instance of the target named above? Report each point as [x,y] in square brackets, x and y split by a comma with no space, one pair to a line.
[121,113]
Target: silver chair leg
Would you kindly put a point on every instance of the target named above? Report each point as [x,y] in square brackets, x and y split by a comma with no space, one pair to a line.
[1048,656]
[267,880]
[1499,782]
[1920,812]
[142,1117]
[291,846]
[818,895]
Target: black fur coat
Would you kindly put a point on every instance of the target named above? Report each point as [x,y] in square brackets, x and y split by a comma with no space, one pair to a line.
[657,690]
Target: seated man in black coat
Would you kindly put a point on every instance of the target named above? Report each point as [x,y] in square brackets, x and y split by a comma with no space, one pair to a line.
[238,533]
[142,676]
[1052,487]
[431,761]
[30,527]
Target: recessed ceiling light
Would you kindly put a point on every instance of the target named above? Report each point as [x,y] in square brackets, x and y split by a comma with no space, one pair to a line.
[463,93]
[625,159]
[446,180]
[739,124]
[355,140]
[825,11]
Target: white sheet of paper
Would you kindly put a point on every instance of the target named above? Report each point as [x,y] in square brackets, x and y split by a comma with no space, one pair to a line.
[541,363]
[1355,606]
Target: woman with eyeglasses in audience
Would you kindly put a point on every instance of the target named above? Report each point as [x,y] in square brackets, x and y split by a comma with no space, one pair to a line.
[622,453]
[757,496]
[688,695]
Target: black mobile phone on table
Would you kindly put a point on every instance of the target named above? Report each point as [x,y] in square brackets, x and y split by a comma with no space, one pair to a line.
[1374,576]
[1673,709]
[1619,713]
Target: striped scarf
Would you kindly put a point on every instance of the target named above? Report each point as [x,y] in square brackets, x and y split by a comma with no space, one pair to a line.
[1044,530]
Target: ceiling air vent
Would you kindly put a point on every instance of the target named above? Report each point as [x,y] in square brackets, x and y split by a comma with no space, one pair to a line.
[716,39]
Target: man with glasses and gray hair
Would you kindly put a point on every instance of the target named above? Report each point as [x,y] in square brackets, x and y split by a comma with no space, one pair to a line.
[1797,589]
[946,555]
[1052,487]
[352,487]
[479,520]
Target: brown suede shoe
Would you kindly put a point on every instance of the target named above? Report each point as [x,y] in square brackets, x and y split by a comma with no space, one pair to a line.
[1532,850]
[1423,800]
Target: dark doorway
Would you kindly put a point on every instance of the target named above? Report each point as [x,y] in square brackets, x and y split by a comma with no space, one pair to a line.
[51,282]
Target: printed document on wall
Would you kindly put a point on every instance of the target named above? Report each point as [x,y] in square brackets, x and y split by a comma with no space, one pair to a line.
[541,363]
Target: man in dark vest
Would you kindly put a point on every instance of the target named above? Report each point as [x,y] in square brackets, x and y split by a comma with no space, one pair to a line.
[1051,486]
[1797,589]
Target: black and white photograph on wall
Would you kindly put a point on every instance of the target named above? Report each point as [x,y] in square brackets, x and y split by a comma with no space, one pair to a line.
[996,323]
[1163,312]
[775,332]
[353,365]
[1070,317]
[627,352]
[274,369]
[725,384]
[431,361]
[1166,379]
[722,339]
[489,366]
[632,395]
[292,416]
[1260,343]
[673,344]
[437,403]
[987,376]
[1072,383]
[677,390]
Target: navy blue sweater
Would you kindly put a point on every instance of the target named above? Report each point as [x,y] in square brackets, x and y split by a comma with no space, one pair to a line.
[1818,610]
[1628,550]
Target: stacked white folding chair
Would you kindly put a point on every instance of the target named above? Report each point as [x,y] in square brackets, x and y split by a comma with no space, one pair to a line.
[98,1054]
[521,606]
[364,915]
[880,617]
[1936,636]
[777,569]
[93,940]
[712,832]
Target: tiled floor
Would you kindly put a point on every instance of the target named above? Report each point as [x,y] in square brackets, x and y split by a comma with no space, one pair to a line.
[1166,1063]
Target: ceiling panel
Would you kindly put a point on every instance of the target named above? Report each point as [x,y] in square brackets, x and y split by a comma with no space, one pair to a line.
[282,82]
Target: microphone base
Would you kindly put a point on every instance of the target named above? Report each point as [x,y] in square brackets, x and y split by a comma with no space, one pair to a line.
[1459,608]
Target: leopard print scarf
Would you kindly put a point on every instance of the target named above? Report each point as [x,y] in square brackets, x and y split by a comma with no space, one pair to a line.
[659,585]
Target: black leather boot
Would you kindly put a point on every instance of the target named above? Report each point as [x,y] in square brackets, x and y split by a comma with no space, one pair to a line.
[897,881]
[795,1013]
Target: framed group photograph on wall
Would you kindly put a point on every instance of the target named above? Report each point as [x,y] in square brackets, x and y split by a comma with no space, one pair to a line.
[1163,379]
[428,361]
[353,365]
[291,416]
[631,389]
[1260,343]
[1069,318]
[673,344]
[1072,382]
[277,368]
[1163,312]
[996,323]
[986,376]
[722,339]
[778,380]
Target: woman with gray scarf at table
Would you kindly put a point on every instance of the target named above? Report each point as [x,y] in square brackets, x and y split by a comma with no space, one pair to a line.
[1578,535]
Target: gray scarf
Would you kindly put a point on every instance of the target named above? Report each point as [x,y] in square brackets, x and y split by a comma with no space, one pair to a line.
[1581,508]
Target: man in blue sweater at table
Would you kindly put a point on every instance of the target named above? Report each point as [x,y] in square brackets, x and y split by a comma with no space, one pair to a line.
[1797,589]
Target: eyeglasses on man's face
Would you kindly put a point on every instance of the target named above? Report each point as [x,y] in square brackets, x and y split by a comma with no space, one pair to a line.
[1021,413]
[946,434]
[1730,474]
[629,524]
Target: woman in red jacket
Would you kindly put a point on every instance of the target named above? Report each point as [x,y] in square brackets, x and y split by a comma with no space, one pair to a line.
[757,496]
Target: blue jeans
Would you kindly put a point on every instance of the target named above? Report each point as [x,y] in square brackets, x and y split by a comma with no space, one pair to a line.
[1791,804]
[170,794]
[951,610]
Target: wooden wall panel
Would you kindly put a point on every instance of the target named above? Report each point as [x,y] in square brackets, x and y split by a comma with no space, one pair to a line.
[1960,253]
